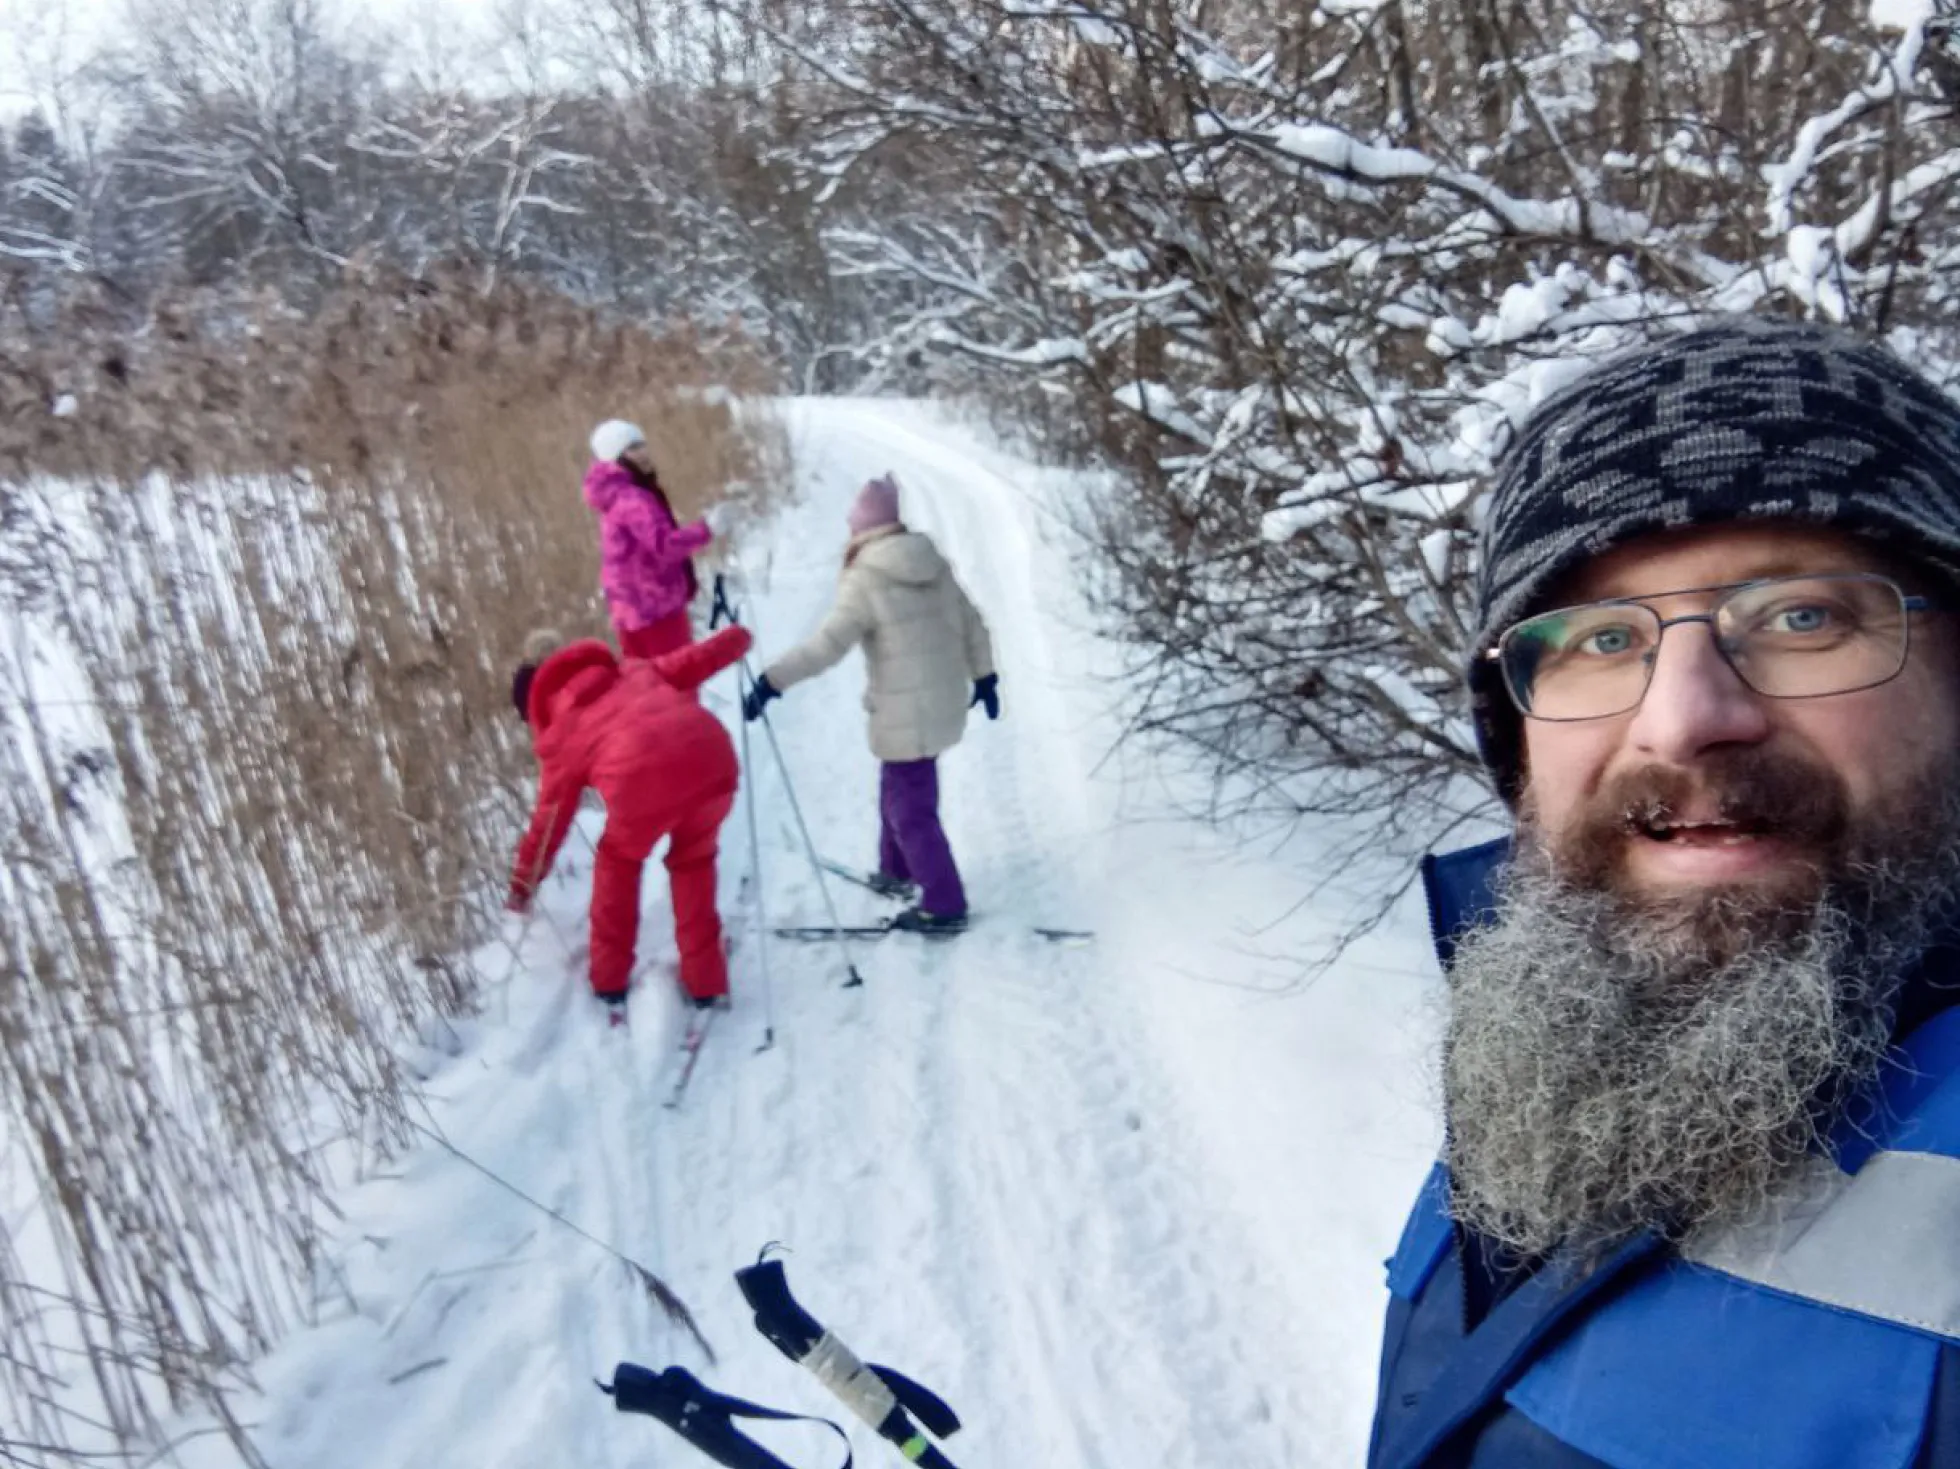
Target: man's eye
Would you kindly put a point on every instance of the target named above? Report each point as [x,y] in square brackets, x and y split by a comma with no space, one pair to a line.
[1605,642]
[1804,617]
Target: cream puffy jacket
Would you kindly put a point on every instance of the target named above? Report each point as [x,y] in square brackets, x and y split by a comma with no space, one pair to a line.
[924,643]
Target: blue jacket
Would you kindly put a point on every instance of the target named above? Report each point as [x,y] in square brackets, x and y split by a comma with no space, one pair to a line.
[1829,1339]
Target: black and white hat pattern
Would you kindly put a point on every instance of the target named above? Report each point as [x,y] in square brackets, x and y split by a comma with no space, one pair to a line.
[1747,420]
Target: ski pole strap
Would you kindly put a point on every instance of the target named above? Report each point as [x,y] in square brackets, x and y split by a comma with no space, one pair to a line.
[704,1417]
[881,1396]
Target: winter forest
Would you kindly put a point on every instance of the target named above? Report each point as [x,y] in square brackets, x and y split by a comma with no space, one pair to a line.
[305,306]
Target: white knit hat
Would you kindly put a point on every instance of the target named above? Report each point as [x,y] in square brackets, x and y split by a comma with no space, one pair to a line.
[614,437]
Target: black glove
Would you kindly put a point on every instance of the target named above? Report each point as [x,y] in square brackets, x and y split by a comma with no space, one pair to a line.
[987,691]
[758,697]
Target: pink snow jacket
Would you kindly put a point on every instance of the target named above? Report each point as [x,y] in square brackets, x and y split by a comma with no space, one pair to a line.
[644,563]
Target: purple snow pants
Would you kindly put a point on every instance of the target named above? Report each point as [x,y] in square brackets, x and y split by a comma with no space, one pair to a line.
[911,843]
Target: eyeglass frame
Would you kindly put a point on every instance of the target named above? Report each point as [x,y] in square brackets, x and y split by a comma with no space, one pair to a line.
[1909,603]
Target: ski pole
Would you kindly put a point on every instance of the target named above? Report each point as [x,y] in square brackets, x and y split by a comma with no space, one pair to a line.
[761,903]
[789,789]
[810,847]
[903,1412]
[722,610]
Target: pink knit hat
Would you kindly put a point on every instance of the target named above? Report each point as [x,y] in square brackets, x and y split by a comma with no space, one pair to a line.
[876,505]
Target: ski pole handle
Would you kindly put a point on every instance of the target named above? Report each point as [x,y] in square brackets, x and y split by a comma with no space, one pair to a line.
[877,1395]
[721,608]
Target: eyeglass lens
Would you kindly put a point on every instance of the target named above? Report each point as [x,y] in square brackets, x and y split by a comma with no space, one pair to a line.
[1787,638]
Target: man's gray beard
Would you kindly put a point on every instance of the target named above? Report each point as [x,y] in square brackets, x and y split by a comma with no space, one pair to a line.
[1612,1066]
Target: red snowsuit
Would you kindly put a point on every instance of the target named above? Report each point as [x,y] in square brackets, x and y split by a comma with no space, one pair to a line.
[664,766]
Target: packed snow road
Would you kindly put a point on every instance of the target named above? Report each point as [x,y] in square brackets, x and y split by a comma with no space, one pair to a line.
[1122,1202]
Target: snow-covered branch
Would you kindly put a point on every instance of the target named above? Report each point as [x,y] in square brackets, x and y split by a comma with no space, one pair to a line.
[1304,270]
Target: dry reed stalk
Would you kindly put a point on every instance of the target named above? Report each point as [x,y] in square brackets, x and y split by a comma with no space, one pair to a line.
[260,814]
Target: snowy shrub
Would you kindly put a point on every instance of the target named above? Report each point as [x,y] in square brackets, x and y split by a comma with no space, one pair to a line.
[1298,269]
[280,143]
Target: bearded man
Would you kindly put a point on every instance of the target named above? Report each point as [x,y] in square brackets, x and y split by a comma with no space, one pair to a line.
[1699,1201]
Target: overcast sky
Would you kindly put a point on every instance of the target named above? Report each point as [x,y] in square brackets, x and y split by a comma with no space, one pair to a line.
[42,38]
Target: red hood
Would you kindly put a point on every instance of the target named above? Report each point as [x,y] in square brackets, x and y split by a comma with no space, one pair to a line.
[574,675]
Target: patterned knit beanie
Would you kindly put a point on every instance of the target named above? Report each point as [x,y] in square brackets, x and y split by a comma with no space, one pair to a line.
[1747,420]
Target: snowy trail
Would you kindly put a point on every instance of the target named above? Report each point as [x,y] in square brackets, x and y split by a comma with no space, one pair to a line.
[1073,1229]
[1046,1180]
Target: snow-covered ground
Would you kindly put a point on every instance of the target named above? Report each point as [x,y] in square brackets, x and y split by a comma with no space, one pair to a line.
[1123,1203]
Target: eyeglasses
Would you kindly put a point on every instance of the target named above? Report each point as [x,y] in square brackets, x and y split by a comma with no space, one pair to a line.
[1788,637]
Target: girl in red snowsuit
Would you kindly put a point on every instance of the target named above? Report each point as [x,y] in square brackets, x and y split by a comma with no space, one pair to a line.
[664,766]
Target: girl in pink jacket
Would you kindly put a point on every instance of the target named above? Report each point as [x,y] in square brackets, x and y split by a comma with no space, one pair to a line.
[646,565]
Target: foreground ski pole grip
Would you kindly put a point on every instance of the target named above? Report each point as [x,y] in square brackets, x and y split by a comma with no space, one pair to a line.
[861,1390]
[878,1395]
[704,1417]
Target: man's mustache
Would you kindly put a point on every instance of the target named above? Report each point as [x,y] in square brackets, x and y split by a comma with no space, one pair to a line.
[1752,790]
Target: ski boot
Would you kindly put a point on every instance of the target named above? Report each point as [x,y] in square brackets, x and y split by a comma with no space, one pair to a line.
[887,886]
[931,925]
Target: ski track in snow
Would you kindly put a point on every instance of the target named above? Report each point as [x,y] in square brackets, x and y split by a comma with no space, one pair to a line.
[988,1166]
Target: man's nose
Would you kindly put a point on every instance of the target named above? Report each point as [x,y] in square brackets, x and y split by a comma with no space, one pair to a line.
[1695,701]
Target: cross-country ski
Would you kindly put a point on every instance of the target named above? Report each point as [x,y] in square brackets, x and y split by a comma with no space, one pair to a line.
[692,1039]
[813,932]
